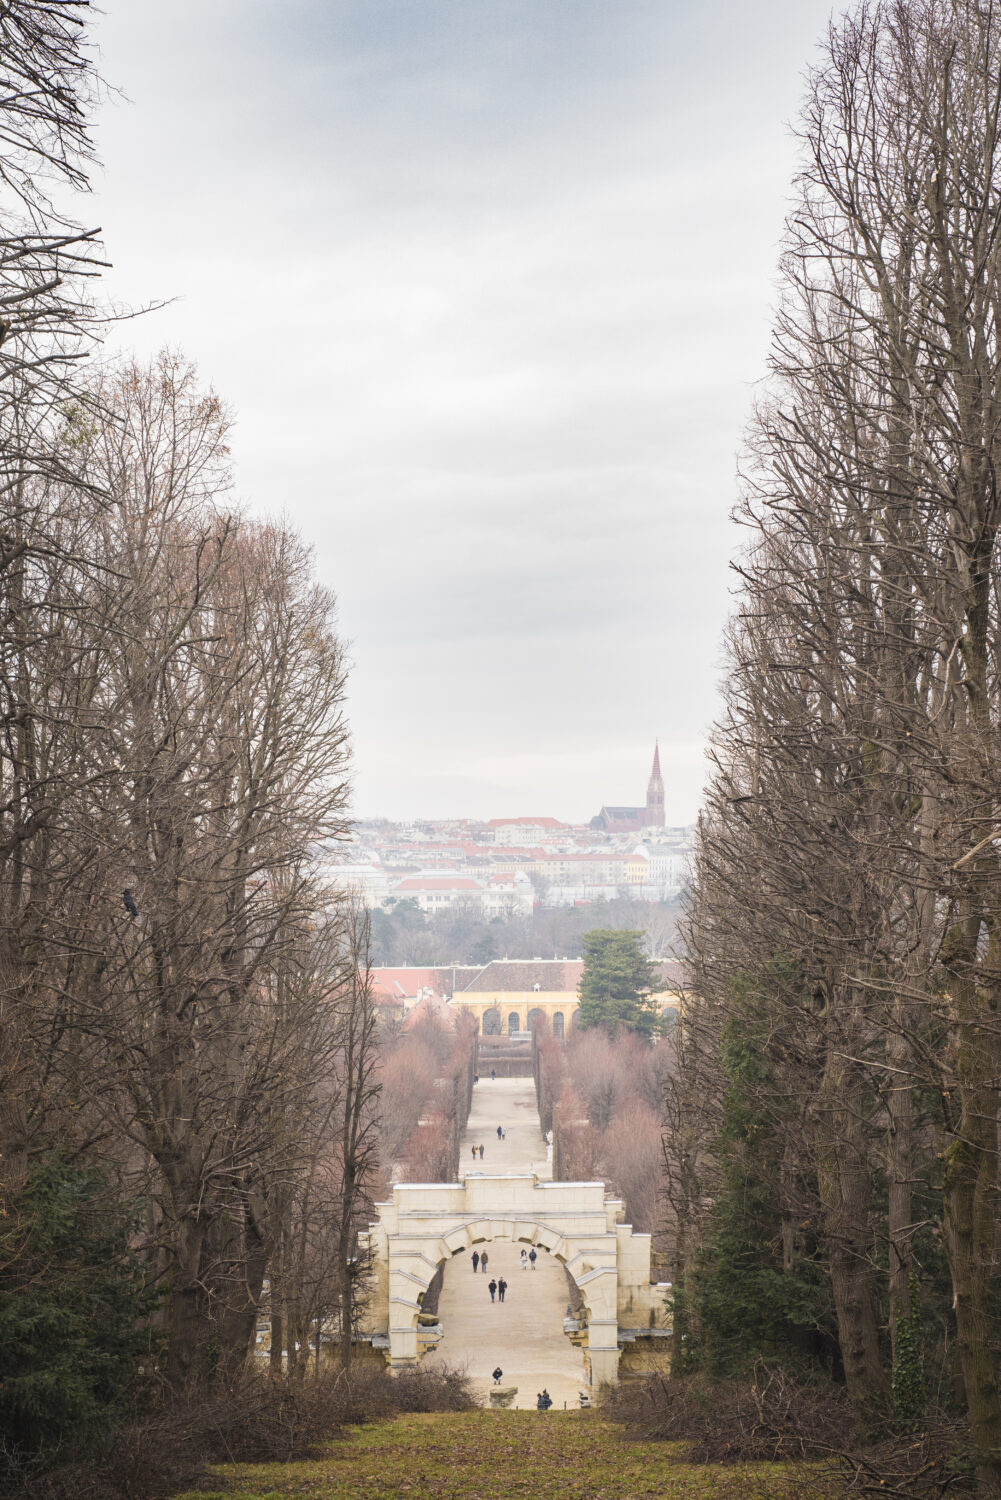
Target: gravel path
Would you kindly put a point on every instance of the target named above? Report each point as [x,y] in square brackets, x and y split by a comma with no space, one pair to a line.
[524,1334]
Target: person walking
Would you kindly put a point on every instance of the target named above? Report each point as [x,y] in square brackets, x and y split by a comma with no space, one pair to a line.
[492,1288]
[497,1375]
[474,1153]
[476,1260]
[483,1262]
[532,1257]
[501,1289]
[493,1075]
[524,1260]
[481,1153]
[545,1400]
[499,1132]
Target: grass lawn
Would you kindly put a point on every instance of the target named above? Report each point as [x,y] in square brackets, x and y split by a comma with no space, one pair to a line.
[490,1455]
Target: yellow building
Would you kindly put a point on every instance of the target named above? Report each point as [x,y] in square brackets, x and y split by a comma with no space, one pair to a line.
[509,995]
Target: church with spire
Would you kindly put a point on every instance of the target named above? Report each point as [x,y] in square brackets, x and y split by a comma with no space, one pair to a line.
[634,819]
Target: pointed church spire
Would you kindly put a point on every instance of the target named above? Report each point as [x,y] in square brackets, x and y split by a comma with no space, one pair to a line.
[655,793]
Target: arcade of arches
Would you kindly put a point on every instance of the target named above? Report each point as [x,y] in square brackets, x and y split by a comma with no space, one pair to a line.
[427,1224]
[505,1201]
[497,1013]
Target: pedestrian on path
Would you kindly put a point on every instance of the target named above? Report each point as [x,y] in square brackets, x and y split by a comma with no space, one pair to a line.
[500,1133]
[503,1135]
[481,1153]
[476,1260]
[545,1400]
[532,1257]
[497,1375]
[492,1288]
[474,1153]
[524,1261]
[493,1075]
[501,1289]
[483,1262]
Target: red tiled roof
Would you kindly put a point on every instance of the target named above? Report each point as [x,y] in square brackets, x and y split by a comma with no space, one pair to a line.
[517,976]
[417,883]
[403,984]
[525,823]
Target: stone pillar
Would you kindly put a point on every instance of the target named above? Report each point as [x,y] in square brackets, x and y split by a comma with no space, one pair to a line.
[603,1353]
[402,1345]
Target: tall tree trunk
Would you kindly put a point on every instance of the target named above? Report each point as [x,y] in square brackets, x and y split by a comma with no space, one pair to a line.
[970,1200]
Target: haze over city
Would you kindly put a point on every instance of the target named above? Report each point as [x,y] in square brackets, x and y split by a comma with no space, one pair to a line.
[488,287]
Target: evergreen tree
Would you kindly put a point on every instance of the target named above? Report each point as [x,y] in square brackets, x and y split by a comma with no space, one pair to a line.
[757,1290]
[617,984]
[72,1309]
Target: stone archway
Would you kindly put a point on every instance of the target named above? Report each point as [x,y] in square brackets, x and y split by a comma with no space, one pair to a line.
[425,1224]
[492,1022]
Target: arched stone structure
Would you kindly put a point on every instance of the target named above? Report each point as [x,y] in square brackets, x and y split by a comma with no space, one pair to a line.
[425,1224]
[558,1024]
[492,1021]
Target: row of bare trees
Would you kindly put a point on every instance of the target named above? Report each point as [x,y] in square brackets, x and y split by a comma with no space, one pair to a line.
[180,992]
[428,1069]
[183,1004]
[601,1097]
[842,1048]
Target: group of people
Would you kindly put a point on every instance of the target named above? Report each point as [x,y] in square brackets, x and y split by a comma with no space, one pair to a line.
[498,1287]
[477,1151]
[543,1400]
[528,1259]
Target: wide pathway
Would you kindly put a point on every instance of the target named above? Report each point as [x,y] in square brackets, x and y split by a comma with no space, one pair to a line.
[524,1334]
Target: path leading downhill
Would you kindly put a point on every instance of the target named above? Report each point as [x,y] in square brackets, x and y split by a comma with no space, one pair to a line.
[524,1334]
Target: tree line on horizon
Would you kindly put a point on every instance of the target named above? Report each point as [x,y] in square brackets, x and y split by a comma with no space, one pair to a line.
[403,935]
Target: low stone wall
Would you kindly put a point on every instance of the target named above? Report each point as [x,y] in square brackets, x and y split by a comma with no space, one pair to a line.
[507,1067]
[506,1058]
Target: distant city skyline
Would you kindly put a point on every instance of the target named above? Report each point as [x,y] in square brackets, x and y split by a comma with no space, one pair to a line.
[488,288]
[529,812]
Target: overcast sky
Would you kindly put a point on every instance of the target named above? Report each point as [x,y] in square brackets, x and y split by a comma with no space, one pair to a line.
[488,284]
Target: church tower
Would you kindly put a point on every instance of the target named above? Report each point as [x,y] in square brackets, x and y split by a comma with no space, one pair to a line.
[655,793]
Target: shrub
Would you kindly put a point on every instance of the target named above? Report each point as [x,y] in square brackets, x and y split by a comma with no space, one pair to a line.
[769,1418]
[257,1420]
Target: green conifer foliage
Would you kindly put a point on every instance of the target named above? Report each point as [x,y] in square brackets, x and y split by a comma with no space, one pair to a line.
[72,1309]
[745,1302]
[617,983]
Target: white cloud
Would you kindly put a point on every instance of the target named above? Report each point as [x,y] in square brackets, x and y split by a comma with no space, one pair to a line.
[487,285]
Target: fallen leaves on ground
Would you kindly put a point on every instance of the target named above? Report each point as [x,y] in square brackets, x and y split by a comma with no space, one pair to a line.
[488,1455]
